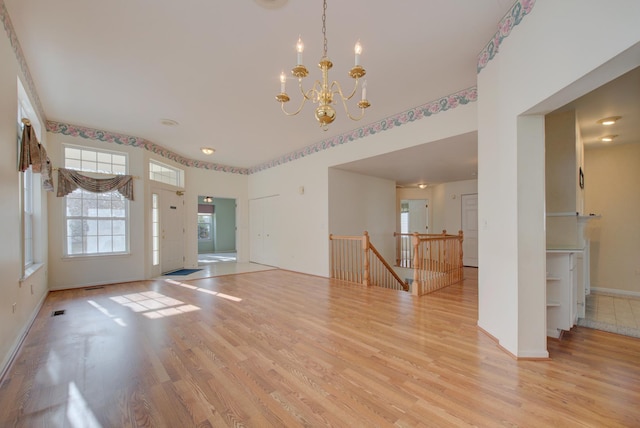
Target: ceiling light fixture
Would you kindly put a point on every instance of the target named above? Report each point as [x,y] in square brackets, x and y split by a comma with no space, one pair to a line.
[608,121]
[322,92]
[423,186]
[169,122]
[608,138]
[207,150]
[207,199]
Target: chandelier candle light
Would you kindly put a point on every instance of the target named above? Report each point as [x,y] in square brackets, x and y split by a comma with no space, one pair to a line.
[322,92]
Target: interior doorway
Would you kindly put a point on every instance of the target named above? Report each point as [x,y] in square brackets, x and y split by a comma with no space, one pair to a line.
[414,216]
[216,230]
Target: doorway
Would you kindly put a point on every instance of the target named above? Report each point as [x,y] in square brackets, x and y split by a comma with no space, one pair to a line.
[414,216]
[216,230]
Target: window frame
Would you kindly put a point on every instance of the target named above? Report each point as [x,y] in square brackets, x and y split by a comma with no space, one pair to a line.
[98,220]
[165,172]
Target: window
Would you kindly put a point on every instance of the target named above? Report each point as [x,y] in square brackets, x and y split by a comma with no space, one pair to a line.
[30,191]
[28,216]
[96,223]
[165,174]
[404,218]
[155,232]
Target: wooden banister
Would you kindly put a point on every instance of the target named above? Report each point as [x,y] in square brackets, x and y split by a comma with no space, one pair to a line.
[355,259]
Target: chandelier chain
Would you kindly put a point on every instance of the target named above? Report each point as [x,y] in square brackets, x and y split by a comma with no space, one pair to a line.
[324,27]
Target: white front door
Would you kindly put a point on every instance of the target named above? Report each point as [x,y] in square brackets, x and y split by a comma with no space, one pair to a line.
[470,230]
[171,230]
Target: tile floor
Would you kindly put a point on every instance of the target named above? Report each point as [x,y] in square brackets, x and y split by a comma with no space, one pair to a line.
[616,314]
[219,264]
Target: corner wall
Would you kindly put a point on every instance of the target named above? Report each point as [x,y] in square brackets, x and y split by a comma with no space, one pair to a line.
[541,66]
[305,218]
[28,295]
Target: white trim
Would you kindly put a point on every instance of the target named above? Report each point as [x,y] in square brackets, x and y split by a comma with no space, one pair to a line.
[615,292]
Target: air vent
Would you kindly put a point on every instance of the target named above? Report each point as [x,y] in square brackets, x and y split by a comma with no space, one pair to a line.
[59,312]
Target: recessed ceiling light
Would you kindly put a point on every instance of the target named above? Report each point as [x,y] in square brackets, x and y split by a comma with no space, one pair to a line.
[169,122]
[607,121]
[271,4]
[423,186]
[207,150]
[608,138]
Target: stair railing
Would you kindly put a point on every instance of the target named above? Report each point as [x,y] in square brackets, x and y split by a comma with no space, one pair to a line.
[437,262]
[355,259]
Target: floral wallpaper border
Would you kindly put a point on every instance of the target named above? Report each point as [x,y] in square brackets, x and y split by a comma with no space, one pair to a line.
[17,49]
[445,103]
[517,12]
[510,20]
[127,140]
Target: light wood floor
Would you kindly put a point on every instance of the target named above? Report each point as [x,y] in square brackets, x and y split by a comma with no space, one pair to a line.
[277,348]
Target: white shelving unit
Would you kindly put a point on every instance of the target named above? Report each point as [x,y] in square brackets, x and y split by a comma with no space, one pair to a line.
[562,291]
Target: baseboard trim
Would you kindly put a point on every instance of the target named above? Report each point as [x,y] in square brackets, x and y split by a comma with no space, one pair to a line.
[615,292]
[20,340]
[526,356]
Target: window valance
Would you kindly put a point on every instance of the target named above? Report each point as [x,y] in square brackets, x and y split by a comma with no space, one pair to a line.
[33,154]
[69,180]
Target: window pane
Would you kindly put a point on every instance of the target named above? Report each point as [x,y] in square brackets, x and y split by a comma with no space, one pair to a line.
[119,227]
[92,244]
[105,157]
[71,153]
[75,228]
[74,207]
[72,163]
[89,155]
[119,244]
[90,227]
[104,227]
[104,244]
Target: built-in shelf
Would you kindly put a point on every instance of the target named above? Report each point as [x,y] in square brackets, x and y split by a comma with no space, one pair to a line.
[553,304]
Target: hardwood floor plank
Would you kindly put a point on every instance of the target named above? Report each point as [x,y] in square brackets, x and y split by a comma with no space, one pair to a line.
[277,348]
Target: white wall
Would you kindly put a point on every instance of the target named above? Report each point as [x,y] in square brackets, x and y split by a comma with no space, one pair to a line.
[75,272]
[612,175]
[446,205]
[536,71]
[29,294]
[304,248]
[79,272]
[359,202]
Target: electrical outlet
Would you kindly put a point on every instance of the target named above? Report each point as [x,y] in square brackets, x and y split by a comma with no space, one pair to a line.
[13,308]
[31,288]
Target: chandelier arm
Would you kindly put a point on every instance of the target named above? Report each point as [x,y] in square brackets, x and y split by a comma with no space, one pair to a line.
[346,110]
[337,89]
[308,95]
[304,100]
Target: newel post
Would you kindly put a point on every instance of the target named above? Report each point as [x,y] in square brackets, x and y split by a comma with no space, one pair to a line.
[365,252]
[416,286]
[460,265]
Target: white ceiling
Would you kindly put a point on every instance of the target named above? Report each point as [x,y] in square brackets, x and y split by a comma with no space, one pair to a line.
[213,66]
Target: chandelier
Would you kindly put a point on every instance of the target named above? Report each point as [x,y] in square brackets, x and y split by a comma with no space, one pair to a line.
[323,92]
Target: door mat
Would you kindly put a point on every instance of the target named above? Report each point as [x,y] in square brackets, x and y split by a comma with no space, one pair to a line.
[181,272]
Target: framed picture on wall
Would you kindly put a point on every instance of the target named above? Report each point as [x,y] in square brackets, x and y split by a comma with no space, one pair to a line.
[581,179]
